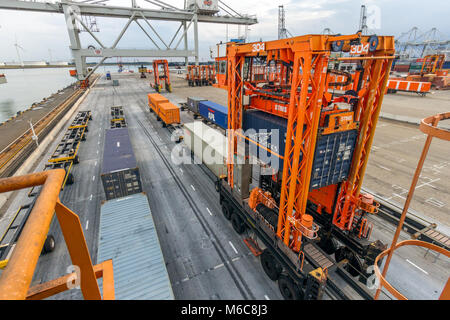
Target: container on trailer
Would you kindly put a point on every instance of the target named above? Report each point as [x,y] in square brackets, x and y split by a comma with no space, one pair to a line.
[214,112]
[154,99]
[332,157]
[169,113]
[120,174]
[192,103]
[266,136]
[127,236]
[208,145]
[108,76]
[115,82]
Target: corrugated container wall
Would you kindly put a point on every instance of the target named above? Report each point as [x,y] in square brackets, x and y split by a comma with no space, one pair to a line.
[154,99]
[128,236]
[169,113]
[214,112]
[120,174]
[332,157]
[208,145]
[267,132]
[192,103]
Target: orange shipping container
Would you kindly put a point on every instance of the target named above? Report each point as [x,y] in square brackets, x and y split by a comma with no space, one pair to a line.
[154,99]
[169,113]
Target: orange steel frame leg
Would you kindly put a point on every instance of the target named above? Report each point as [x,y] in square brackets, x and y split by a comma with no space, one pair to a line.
[370,107]
[428,126]
[303,121]
[17,276]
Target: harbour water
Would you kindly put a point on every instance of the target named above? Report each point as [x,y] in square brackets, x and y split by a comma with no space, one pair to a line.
[27,86]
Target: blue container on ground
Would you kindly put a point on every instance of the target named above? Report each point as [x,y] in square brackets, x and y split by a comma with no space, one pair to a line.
[214,112]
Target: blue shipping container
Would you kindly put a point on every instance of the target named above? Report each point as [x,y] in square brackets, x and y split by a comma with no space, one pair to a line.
[332,157]
[214,112]
[260,128]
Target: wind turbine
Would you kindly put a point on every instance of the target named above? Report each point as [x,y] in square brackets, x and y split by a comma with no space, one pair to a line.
[18,54]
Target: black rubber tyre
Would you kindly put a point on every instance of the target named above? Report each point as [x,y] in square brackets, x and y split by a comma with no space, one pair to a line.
[226,210]
[164,124]
[270,265]
[49,244]
[237,223]
[216,185]
[328,245]
[158,118]
[70,179]
[288,288]
[76,160]
[86,129]
[354,266]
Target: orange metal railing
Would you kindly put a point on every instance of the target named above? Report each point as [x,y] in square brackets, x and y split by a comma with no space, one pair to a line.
[428,126]
[16,278]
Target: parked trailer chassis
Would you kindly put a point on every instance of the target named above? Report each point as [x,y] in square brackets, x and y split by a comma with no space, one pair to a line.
[64,157]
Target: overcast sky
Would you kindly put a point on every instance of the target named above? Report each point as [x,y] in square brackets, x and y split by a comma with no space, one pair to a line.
[37,33]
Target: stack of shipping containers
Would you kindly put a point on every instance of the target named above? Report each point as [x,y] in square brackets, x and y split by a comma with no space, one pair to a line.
[127,232]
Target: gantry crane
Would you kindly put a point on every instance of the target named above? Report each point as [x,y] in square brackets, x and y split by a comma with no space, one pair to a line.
[164,75]
[297,85]
[432,63]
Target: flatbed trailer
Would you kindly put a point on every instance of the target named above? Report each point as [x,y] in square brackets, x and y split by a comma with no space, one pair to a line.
[64,157]
[299,276]
[117,117]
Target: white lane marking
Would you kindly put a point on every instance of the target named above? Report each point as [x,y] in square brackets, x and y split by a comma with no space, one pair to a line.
[185,279]
[428,183]
[93,178]
[397,195]
[218,266]
[380,166]
[266,297]
[97,151]
[95,162]
[90,198]
[99,142]
[192,187]
[87,224]
[207,209]
[235,259]
[435,202]
[181,170]
[233,247]
[417,266]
